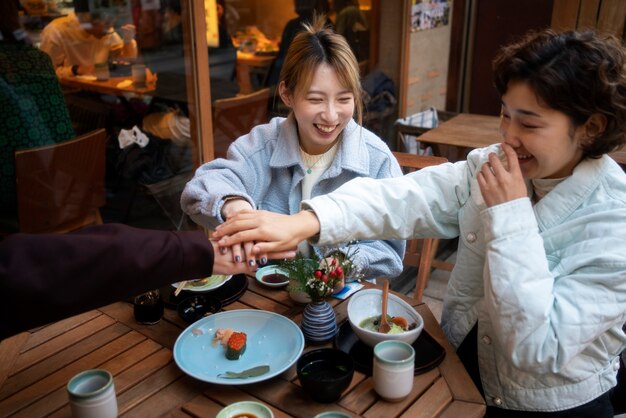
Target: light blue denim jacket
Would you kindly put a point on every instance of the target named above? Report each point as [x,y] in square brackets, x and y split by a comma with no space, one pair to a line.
[546,283]
[264,167]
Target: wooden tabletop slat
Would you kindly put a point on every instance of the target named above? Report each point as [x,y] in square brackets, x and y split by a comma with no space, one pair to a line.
[10,349]
[58,400]
[421,384]
[59,343]
[263,303]
[432,402]
[289,397]
[165,333]
[147,385]
[459,409]
[46,333]
[63,358]
[201,406]
[168,399]
[60,378]
[361,397]
[276,294]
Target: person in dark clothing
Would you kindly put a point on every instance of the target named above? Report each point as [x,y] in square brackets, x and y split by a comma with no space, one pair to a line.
[306,10]
[48,277]
[33,109]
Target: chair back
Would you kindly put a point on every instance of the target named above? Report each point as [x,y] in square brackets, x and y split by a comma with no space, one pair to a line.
[236,116]
[421,253]
[60,187]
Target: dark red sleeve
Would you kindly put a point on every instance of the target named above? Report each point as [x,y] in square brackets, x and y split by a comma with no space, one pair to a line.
[46,277]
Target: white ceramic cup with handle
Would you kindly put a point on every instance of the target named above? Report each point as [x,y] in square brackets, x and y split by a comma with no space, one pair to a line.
[394,366]
[92,394]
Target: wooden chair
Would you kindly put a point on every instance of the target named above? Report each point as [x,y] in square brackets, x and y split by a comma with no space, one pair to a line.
[421,253]
[60,187]
[236,116]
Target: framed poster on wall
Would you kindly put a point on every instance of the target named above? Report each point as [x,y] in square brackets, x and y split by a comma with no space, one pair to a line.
[429,14]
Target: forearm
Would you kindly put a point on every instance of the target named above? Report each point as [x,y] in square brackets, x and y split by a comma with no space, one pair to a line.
[63,275]
[128,50]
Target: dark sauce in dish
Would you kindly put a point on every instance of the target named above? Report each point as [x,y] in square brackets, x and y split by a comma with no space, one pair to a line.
[275,278]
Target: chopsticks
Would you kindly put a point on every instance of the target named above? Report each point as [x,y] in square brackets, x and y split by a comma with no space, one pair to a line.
[180,287]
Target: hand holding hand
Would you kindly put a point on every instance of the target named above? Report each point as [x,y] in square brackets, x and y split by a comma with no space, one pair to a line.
[281,232]
[240,251]
[499,185]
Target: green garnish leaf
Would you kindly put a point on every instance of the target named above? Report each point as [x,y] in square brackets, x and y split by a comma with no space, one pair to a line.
[253,372]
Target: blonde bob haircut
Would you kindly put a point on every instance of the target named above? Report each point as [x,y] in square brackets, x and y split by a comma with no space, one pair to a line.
[315,45]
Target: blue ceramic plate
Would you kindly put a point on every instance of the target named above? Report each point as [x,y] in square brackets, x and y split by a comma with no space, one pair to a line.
[273,340]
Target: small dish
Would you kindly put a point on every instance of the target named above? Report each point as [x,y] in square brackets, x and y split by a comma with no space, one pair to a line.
[198,306]
[206,284]
[245,409]
[272,276]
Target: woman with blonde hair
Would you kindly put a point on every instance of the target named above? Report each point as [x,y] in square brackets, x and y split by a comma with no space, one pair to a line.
[313,151]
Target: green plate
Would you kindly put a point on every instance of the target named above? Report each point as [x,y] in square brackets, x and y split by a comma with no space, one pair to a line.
[206,284]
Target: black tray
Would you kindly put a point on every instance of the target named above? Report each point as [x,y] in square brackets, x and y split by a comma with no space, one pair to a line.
[428,352]
[226,294]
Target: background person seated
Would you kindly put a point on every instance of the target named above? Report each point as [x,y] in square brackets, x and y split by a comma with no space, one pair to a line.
[80,40]
[33,109]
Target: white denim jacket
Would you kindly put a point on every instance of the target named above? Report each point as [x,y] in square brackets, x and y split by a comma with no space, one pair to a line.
[546,283]
[264,167]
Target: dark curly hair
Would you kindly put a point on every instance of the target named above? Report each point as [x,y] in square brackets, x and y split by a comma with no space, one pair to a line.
[577,73]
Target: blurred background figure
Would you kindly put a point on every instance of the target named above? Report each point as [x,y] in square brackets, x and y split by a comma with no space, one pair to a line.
[80,40]
[33,110]
[305,9]
[352,25]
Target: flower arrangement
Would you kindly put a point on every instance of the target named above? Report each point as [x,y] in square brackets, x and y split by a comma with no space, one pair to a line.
[320,277]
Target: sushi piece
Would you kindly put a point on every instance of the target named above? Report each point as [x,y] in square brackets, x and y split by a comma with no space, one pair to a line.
[236,345]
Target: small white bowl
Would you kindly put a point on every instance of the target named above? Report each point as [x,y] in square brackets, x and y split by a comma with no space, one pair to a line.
[266,271]
[245,407]
[367,303]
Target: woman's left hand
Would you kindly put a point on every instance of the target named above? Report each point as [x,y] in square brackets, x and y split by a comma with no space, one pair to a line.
[499,185]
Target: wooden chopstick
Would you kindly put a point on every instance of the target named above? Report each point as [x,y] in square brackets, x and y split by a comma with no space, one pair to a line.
[180,287]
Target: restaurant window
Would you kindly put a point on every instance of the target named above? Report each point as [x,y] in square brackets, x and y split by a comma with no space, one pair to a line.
[172,82]
[128,67]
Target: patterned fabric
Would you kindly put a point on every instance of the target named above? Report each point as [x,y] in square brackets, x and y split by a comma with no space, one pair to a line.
[33,111]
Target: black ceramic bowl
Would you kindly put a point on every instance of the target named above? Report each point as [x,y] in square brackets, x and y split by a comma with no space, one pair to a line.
[325,373]
[196,307]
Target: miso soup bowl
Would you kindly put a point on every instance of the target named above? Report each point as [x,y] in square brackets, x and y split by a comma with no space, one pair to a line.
[325,373]
[367,303]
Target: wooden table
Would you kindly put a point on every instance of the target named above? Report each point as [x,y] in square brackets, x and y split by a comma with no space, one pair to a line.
[464,131]
[35,367]
[247,64]
[110,86]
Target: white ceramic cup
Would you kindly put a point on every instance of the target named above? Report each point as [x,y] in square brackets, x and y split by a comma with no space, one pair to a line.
[138,73]
[92,394]
[394,365]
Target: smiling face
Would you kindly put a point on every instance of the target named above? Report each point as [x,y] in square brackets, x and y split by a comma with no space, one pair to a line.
[322,110]
[546,142]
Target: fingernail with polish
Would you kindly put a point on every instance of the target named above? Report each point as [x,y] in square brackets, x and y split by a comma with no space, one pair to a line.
[238,259]
[263,260]
[251,263]
[223,250]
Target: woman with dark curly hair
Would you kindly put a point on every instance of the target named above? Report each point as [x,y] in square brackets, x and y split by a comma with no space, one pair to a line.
[535,303]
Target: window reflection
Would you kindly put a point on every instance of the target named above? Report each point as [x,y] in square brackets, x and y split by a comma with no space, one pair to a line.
[97,49]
